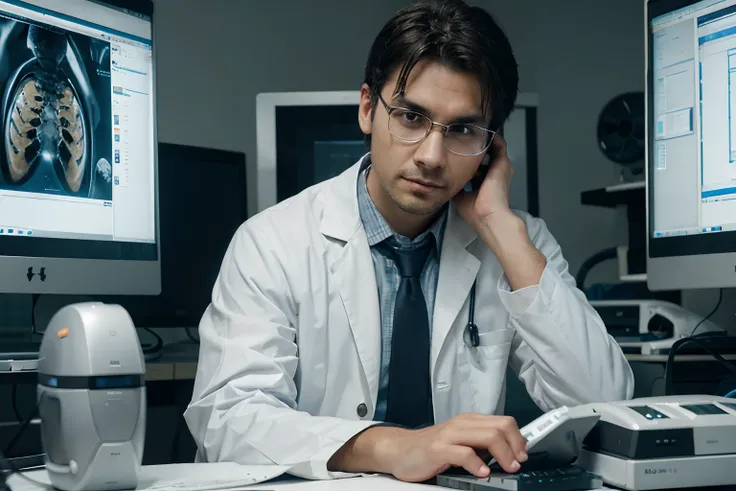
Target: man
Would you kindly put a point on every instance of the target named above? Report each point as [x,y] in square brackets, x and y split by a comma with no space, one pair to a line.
[339,340]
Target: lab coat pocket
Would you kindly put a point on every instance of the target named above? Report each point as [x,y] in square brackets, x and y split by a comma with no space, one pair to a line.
[486,369]
[496,343]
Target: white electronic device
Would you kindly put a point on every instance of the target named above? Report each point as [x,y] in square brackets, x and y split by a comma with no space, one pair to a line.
[663,442]
[92,399]
[554,441]
[544,425]
[649,327]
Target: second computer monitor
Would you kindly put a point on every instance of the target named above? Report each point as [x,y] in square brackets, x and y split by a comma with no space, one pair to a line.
[691,142]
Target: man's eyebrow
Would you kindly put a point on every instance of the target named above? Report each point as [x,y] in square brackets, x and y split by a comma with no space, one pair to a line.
[408,104]
[475,119]
[402,101]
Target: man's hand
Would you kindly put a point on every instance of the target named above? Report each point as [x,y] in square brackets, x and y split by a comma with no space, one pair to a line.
[492,198]
[487,210]
[419,455]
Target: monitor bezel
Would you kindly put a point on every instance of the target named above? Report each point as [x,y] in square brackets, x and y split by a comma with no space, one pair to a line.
[706,260]
[53,266]
[142,7]
[266,104]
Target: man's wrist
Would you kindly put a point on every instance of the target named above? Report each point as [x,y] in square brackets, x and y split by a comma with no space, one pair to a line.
[496,227]
[506,235]
[370,451]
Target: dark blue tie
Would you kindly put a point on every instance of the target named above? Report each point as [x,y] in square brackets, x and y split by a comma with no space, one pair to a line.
[409,386]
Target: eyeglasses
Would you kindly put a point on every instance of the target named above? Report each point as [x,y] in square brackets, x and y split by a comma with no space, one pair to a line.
[466,140]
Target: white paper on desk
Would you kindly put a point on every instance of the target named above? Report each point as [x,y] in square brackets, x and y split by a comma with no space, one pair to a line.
[205,476]
[226,476]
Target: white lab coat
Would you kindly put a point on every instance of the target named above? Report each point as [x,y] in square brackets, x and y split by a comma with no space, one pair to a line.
[290,345]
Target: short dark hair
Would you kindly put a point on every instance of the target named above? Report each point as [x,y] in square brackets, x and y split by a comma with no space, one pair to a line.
[455,34]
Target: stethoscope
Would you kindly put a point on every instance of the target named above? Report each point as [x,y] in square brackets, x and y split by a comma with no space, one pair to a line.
[470,334]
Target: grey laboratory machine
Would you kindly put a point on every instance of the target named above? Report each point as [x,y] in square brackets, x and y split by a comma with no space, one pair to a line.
[663,442]
[650,327]
[92,399]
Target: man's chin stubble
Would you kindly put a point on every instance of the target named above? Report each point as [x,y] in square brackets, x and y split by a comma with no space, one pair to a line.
[414,209]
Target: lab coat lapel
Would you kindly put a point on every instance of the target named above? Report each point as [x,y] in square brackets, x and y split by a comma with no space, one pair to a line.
[351,266]
[458,270]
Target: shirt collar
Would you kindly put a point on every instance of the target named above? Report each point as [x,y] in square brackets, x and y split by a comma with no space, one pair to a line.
[377,228]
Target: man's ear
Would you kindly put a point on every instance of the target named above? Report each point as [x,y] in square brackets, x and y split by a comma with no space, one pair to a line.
[365,110]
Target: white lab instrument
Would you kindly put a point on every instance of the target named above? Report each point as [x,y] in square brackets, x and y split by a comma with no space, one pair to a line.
[649,327]
[92,399]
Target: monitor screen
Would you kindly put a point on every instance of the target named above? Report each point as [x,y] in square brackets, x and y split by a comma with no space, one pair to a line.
[78,139]
[692,127]
[315,143]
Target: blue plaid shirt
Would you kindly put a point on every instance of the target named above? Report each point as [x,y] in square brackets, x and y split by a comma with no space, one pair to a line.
[387,274]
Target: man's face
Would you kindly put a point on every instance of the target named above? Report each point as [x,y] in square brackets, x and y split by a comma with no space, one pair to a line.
[419,178]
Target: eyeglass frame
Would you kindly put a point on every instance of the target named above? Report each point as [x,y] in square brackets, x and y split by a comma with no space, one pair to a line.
[444,127]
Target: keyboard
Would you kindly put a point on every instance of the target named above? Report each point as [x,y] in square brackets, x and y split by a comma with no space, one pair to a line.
[570,478]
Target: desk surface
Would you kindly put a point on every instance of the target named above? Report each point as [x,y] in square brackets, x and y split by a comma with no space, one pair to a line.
[372,483]
[365,483]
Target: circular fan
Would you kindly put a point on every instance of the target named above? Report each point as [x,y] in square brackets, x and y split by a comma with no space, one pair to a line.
[621,129]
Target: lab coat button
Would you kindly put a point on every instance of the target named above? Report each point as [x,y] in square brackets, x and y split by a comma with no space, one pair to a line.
[362,410]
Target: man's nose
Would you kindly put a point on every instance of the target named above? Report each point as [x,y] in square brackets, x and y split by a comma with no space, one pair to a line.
[431,151]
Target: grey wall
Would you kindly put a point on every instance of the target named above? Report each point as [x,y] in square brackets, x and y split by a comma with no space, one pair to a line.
[587,53]
[214,57]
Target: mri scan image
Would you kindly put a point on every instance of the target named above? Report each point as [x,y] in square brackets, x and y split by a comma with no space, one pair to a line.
[56,112]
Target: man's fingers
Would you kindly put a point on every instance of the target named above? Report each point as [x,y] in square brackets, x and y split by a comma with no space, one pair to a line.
[479,431]
[494,439]
[514,438]
[499,434]
[505,457]
[466,458]
[518,445]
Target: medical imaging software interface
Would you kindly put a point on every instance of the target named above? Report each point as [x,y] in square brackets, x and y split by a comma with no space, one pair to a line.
[77,122]
[694,102]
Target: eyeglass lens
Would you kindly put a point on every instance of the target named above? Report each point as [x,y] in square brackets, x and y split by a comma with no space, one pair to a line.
[463,139]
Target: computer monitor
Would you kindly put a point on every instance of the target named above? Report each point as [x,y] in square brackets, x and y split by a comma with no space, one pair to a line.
[203,201]
[78,205]
[691,144]
[308,137]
